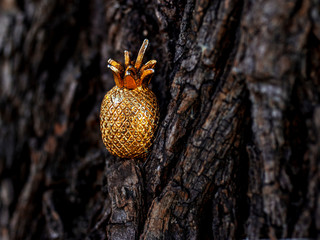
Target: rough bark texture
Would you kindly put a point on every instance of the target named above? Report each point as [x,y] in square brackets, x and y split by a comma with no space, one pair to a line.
[237,152]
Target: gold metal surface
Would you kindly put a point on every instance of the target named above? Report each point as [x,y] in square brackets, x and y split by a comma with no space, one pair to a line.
[129,112]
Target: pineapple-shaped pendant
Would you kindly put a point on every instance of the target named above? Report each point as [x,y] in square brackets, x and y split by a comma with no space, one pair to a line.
[129,112]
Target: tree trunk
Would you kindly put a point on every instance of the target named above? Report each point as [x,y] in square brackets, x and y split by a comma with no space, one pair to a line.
[237,150]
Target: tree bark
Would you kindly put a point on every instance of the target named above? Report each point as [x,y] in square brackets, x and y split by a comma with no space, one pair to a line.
[237,150]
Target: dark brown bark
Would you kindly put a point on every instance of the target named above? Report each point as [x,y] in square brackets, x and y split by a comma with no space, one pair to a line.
[237,151]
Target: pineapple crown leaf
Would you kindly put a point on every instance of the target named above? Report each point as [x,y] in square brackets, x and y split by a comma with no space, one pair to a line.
[133,75]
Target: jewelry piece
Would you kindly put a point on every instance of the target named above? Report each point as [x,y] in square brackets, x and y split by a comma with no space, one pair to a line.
[129,112]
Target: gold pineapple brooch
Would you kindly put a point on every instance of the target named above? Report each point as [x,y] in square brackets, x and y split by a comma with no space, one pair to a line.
[129,112]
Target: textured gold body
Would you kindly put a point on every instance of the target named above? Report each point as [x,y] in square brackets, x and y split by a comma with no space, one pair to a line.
[128,121]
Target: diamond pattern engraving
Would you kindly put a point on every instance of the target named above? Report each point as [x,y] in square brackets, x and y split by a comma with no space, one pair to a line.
[128,121]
